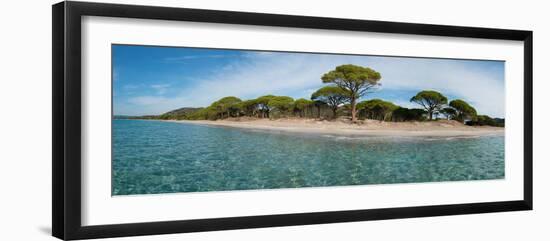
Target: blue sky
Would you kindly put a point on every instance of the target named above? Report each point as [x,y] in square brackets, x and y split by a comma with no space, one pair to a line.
[153,80]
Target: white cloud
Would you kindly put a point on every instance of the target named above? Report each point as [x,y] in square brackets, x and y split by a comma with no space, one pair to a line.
[148,105]
[160,88]
[260,74]
[148,100]
[284,73]
[483,91]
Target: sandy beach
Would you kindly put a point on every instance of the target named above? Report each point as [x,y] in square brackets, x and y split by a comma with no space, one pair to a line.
[440,128]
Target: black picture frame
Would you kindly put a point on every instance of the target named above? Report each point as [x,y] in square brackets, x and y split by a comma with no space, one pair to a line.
[66,158]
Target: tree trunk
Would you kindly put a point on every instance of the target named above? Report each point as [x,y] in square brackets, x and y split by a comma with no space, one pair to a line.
[319,112]
[353,110]
[334,112]
[430,113]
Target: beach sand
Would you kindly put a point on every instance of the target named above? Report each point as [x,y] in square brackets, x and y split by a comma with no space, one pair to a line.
[440,128]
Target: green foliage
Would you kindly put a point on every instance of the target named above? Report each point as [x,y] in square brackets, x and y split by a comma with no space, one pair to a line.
[348,84]
[178,114]
[319,104]
[449,113]
[377,109]
[249,107]
[166,117]
[330,91]
[208,113]
[431,101]
[263,100]
[499,122]
[281,104]
[333,96]
[483,120]
[352,77]
[226,106]
[463,110]
[300,105]
[263,106]
[356,80]
[405,114]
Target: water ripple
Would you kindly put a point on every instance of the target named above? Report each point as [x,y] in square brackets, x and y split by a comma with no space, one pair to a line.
[160,157]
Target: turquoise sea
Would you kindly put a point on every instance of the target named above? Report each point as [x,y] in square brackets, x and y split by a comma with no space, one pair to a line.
[162,157]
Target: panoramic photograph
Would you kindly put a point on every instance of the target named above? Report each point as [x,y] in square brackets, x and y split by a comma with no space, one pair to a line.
[203,120]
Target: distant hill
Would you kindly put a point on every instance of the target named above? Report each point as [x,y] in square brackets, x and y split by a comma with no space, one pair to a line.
[179,114]
[182,111]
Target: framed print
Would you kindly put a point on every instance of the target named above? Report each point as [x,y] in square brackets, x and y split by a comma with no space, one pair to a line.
[171,120]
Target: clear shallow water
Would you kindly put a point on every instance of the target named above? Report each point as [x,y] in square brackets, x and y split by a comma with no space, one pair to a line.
[162,157]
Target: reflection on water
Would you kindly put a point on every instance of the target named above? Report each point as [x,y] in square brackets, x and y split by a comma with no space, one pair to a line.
[161,157]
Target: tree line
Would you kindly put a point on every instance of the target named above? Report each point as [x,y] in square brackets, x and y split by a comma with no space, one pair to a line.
[346,85]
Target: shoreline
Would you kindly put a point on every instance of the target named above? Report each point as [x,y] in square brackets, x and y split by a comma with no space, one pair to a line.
[441,128]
